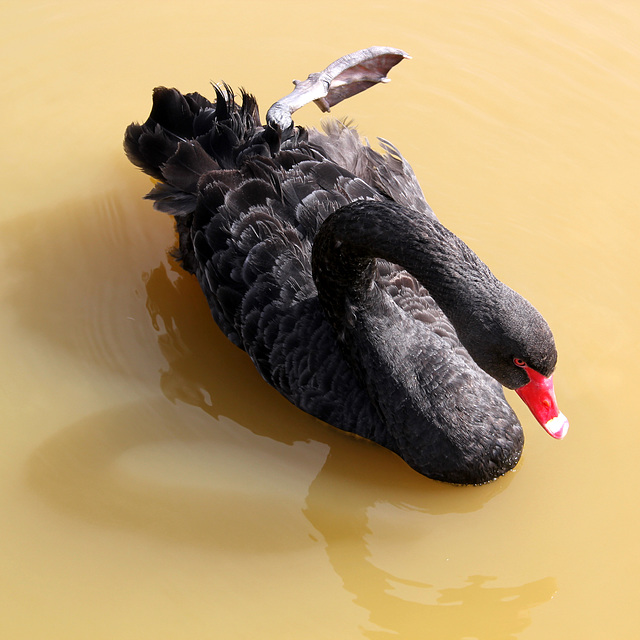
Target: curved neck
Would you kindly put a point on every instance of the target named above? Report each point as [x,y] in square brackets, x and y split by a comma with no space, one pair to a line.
[414,377]
[350,239]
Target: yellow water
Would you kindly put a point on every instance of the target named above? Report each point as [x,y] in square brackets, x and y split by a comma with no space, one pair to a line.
[152,486]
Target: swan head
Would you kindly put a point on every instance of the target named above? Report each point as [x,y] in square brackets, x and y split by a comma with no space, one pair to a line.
[518,350]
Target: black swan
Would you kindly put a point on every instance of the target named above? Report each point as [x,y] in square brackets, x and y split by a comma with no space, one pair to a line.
[322,260]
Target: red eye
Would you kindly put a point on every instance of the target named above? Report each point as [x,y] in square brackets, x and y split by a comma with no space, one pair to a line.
[519,362]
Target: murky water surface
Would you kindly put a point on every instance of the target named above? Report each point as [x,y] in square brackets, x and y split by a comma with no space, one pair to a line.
[154,487]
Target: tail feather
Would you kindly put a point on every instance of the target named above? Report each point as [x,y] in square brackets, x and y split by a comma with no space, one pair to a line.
[187,137]
[148,147]
[187,165]
[174,112]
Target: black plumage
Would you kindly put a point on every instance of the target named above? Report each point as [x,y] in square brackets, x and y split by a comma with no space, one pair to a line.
[352,339]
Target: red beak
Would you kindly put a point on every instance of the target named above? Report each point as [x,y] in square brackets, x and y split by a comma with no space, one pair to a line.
[539,396]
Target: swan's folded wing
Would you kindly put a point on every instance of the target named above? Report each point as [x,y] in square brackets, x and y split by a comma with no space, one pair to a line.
[389,173]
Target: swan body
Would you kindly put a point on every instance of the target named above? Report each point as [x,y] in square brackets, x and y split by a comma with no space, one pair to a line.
[322,260]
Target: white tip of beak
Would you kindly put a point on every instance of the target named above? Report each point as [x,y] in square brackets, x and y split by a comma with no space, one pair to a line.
[557,427]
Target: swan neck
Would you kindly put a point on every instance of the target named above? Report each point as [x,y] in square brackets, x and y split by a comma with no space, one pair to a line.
[352,237]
